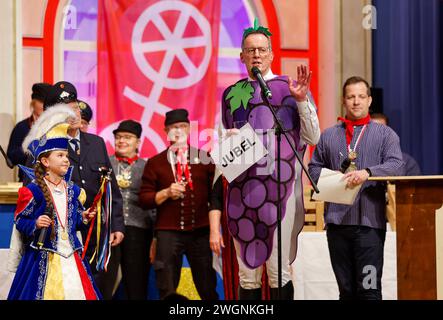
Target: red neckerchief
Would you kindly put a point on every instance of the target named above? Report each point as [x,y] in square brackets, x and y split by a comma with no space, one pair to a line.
[350,126]
[182,162]
[126,159]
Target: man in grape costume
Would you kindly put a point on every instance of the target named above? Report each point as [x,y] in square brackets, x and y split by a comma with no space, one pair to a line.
[251,199]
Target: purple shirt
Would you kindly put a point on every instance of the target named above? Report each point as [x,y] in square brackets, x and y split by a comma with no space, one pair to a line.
[379,150]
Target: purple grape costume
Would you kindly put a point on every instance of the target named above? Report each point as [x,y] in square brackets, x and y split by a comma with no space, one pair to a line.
[252,197]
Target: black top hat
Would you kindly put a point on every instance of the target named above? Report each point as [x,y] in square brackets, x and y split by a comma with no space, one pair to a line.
[177,115]
[61,92]
[86,111]
[39,91]
[129,126]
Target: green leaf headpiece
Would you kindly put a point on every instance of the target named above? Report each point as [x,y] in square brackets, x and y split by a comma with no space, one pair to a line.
[256,28]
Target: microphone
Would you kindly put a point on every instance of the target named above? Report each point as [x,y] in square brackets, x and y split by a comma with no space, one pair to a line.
[8,161]
[42,237]
[43,231]
[264,87]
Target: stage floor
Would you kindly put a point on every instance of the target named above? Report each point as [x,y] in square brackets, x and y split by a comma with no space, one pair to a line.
[313,275]
[312,270]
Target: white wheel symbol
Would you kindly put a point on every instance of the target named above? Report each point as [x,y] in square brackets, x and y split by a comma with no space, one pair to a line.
[173,44]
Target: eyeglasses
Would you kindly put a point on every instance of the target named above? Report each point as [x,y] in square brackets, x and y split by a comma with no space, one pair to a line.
[179,126]
[124,137]
[262,51]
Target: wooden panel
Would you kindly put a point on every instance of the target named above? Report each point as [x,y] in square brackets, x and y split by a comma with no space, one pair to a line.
[293,18]
[390,206]
[289,65]
[33,12]
[355,41]
[314,220]
[405,178]
[439,251]
[32,73]
[9,192]
[417,202]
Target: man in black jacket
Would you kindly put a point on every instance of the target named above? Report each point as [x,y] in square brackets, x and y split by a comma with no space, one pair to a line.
[15,152]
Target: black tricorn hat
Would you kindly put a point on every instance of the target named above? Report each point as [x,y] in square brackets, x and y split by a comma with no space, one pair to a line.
[61,92]
[129,126]
[85,110]
[40,90]
[177,115]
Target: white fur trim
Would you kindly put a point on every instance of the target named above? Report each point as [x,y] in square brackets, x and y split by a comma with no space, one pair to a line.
[51,117]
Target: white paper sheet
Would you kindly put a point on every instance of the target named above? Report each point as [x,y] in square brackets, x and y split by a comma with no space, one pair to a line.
[332,188]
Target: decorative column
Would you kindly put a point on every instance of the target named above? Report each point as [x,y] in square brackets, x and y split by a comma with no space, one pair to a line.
[10,70]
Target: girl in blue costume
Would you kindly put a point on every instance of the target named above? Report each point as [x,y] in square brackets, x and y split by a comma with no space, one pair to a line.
[51,269]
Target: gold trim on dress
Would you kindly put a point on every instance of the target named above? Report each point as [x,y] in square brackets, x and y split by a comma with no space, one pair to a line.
[54,282]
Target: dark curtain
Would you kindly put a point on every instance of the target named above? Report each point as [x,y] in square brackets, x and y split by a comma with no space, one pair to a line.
[407,65]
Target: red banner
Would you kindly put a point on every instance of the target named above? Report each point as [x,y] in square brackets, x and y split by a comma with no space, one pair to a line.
[155,56]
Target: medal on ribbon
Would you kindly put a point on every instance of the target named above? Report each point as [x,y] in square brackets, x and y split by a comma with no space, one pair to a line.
[124,177]
[352,153]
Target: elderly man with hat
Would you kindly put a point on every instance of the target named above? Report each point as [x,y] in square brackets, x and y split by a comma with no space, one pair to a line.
[15,152]
[178,183]
[128,168]
[88,155]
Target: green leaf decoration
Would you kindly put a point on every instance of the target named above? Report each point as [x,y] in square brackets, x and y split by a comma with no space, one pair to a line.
[256,25]
[239,95]
[256,28]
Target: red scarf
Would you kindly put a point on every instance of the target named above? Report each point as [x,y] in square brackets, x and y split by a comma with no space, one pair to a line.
[350,126]
[182,162]
[126,159]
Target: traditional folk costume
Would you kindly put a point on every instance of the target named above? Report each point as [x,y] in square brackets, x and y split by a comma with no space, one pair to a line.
[139,223]
[52,270]
[182,225]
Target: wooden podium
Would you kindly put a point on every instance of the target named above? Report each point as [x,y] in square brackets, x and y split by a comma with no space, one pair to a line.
[419,224]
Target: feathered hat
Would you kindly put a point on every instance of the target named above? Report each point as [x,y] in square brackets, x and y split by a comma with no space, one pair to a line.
[49,132]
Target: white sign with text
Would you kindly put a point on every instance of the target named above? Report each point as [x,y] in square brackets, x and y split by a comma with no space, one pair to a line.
[238,153]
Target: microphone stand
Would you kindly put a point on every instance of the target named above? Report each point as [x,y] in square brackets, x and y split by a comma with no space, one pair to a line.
[279,130]
[8,161]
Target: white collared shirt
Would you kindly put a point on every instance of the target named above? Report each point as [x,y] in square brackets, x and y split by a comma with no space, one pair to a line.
[76,137]
[268,76]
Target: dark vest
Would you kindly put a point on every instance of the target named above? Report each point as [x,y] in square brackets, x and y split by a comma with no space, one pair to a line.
[185,214]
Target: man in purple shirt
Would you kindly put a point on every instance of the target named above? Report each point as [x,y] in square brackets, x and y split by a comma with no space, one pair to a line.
[356,233]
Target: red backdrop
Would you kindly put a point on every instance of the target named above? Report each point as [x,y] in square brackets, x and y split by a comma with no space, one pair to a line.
[155,56]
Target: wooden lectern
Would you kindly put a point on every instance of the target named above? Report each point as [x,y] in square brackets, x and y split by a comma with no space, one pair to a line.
[419,224]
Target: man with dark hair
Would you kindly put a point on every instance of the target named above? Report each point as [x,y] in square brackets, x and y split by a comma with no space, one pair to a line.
[15,152]
[411,166]
[179,184]
[356,233]
[87,155]
[355,80]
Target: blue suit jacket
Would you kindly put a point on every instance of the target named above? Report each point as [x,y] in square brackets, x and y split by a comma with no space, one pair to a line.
[86,174]
[25,220]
